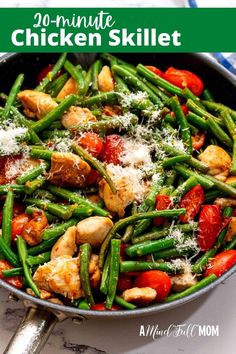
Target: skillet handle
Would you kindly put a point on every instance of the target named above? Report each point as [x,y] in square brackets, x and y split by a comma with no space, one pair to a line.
[32,333]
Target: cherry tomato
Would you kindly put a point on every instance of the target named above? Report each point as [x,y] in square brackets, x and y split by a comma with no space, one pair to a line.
[92,178]
[184,78]
[221,263]
[198,140]
[154,70]
[124,282]
[209,226]
[157,280]
[43,73]
[162,202]
[15,281]
[92,143]
[192,202]
[112,149]
[101,307]
[184,109]
[18,223]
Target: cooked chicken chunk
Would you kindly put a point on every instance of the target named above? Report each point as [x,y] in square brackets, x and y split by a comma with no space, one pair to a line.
[183,281]
[117,202]
[60,276]
[36,104]
[68,169]
[69,88]
[141,296]
[112,110]
[65,245]
[94,272]
[218,160]
[77,116]
[231,179]
[105,80]
[18,166]
[33,229]
[225,202]
[231,232]
[93,230]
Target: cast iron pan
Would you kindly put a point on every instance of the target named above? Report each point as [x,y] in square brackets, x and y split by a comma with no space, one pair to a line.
[41,316]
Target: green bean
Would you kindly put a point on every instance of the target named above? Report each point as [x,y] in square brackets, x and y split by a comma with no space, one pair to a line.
[57,125]
[184,188]
[96,68]
[167,190]
[207,95]
[22,250]
[231,245]
[30,209]
[120,85]
[221,186]
[217,107]
[203,260]
[62,211]
[157,80]
[129,231]
[162,95]
[159,233]
[74,197]
[143,224]
[76,73]
[170,178]
[219,133]
[132,219]
[198,121]
[201,284]
[85,254]
[12,272]
[53,115]
[50,76]
[59,230]
[202,112]
[183,123]
[57,85]
[155,188]
[4,188]
[32,186]
[105,274]
[81,210]
[7,218]
[189,94]
[230,124]
[121,302]
[95,164]
[101,98]
[84,305]
[41,153]
[134,81]
[43,246]
[8,253]
[173,160]
[44,194]
[148,247]
[12,95]
[113,272]
[186,173]
[136,266]
[87,81]
[32,174]
[113,59]
[172,252]
[39,259]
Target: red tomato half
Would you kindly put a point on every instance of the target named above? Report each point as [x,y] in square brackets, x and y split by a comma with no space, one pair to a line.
[221,263]
[198,140]
[155,70]
[192,202]
[92,143]
[155,279]
[16,281]
[92,178]
[18,223]
[112,149]
[124,282]
[163,202]
[183,79]
[101,307]
[209,226]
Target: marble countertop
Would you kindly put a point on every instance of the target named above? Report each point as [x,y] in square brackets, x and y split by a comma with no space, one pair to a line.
[122,336]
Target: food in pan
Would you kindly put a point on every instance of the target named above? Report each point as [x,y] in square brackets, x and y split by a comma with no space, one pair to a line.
[117,184]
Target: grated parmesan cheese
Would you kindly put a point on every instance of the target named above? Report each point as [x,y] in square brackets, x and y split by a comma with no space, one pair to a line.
[10,138]
[136,154]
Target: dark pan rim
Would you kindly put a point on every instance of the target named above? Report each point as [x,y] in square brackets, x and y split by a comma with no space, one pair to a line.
[74,312]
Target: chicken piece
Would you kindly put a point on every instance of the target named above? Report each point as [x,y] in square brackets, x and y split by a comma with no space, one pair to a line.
[60,276]
[231,232]
[231,179]
[93,230]
[18,166]
[225,202]
[36,104]
[56,301]
[141,296]
[44,294]
[112,110]
[70,87]
[65,245]
[77,116]
[218,160]
[94,272]
[94,198]
[33,229]
[68,169]
[117,202]
[105,80]
[183,281]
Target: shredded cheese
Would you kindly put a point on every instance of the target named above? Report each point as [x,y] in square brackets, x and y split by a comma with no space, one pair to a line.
[10,140]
